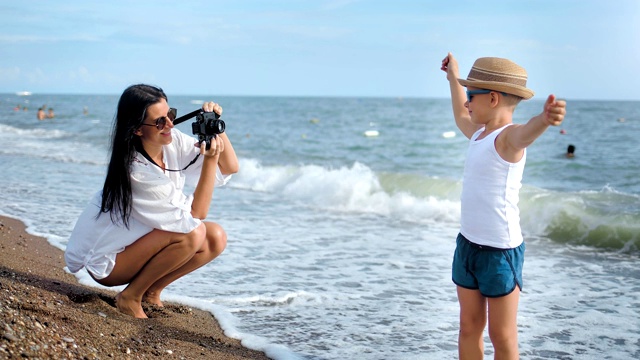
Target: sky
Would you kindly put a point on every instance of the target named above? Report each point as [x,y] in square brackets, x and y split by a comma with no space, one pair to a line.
[575,49]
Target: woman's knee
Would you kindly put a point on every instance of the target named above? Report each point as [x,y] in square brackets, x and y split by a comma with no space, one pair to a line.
[196,237]
[216,238]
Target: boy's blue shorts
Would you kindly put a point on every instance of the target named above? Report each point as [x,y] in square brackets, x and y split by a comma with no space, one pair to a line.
[495,272]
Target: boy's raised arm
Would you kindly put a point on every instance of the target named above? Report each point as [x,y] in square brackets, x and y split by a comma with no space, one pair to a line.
[521,136]
[458,97]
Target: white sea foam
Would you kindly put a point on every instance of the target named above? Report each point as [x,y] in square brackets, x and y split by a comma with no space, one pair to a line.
[346,189]
[9,131]
[36,144]
[228,323]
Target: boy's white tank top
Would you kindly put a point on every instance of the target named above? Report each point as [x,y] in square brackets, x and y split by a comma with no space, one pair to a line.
[490,194]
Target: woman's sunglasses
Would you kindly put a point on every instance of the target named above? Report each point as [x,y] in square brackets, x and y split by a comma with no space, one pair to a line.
[162,121]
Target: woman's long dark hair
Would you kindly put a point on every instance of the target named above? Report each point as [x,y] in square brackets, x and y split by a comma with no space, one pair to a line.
[132,108]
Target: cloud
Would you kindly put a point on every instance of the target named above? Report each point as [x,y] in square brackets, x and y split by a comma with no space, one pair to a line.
[36,76]
[20,39]
[81,73]
[9,74]
[337,4]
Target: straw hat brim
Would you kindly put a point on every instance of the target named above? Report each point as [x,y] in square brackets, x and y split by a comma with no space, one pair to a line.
[512,89]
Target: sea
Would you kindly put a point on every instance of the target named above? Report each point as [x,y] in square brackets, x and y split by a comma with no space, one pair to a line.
[342,221]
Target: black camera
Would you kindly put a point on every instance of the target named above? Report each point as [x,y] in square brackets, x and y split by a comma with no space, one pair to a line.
[207,126]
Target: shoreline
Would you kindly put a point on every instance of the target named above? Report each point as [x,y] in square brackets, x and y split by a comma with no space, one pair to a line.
[45,313]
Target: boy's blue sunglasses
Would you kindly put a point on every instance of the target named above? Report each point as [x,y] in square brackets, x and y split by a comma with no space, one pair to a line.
[471,93]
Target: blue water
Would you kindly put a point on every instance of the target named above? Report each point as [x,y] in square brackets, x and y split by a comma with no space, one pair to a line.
[340,244]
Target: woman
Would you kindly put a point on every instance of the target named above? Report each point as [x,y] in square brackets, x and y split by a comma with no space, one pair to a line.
[141,229]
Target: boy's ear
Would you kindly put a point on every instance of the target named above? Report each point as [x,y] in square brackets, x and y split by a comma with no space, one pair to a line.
[495,98]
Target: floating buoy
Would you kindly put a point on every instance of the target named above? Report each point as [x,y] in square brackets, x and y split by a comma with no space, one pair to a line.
[314,121]
[371,133]
[448,134]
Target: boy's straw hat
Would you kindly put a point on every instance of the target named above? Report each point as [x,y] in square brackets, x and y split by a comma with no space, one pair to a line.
[498,74]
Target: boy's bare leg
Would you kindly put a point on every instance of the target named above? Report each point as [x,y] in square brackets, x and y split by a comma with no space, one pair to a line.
[473,318]
[503,325]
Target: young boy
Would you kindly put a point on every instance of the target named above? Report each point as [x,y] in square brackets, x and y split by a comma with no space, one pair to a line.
[487,264]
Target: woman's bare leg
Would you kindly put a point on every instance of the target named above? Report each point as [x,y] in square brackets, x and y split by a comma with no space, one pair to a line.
[211,248]
[147,260]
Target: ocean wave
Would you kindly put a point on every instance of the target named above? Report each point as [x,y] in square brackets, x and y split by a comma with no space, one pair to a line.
[355,189]
[605,219]
[266,301]
[62,157]
[39,133]
[50,145]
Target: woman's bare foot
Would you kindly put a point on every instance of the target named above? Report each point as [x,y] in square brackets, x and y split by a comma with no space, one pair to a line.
[130,307]
[152,297]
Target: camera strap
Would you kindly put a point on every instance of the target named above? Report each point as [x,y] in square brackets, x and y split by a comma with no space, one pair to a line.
[186,117]
[146,156]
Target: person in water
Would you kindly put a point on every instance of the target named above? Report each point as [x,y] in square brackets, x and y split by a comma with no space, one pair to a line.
[571,149]
[41,115]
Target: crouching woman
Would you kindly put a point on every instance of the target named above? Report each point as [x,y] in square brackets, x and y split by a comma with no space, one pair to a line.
[141,229]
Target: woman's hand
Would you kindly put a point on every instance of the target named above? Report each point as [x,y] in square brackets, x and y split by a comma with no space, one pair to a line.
[217,145]
[212,107]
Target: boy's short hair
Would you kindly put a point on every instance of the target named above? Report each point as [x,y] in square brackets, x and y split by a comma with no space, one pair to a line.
[512,100]
[500,75]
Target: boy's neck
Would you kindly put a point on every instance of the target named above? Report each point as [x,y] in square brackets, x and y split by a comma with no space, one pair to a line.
[498,120]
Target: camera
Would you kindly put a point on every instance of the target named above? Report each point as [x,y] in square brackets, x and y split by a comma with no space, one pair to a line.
[207,126]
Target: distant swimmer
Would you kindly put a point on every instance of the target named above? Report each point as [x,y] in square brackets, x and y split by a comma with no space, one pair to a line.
[50,114]
[570,151]
[41,115]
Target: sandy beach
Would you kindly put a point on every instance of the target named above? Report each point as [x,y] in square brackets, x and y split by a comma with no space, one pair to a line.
[46,314]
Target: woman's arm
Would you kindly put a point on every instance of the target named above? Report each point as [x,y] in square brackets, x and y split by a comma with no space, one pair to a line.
[213,159]
[204,189]
[228,162]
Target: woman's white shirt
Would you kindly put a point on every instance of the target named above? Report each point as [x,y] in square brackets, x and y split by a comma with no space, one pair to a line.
[159,202]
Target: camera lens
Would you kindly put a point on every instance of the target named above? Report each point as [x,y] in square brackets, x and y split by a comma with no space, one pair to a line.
[219,126]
